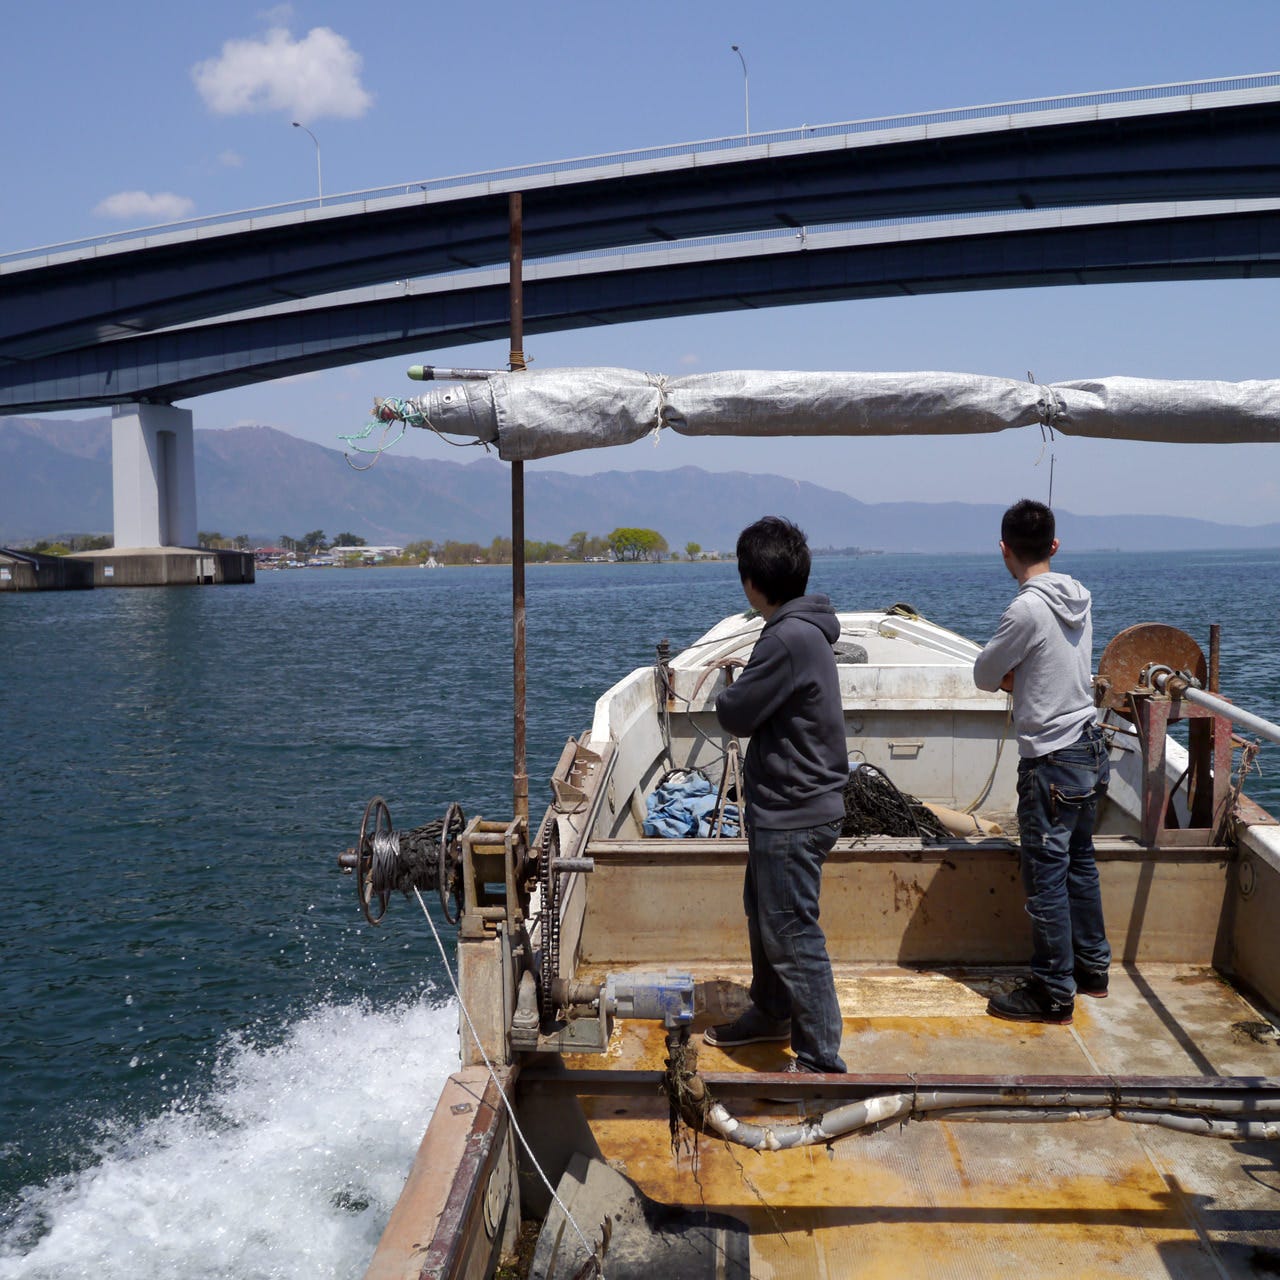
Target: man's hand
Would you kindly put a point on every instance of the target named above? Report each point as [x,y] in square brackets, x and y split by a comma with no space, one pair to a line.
[1007,683]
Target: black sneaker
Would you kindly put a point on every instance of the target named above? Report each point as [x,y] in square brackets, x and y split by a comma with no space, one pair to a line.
[751,1027]
[1030,1002]
[1090,983]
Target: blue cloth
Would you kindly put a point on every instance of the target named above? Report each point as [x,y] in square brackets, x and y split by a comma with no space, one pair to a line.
[684,806]
[1057,804]
[790,969]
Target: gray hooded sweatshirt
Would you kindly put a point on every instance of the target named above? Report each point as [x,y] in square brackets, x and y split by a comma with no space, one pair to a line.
[788,699]
[1046,639]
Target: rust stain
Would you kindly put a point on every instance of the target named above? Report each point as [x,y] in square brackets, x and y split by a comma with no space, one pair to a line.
[1004,1201]
[871,1215]
[949,1137]
[908,895]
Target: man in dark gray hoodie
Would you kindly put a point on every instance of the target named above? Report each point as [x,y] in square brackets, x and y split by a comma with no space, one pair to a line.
[788,700]
[1042,654]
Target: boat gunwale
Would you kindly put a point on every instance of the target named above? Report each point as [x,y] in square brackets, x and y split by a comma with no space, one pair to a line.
[657,850]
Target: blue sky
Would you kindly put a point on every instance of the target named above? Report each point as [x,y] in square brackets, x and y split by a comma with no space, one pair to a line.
[125,115]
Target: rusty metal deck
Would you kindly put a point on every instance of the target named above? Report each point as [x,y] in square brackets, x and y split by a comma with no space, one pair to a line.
[949,1199]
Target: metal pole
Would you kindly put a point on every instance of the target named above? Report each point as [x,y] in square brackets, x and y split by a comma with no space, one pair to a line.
[319,183]
[520,774]
[746,87]
[1178,688]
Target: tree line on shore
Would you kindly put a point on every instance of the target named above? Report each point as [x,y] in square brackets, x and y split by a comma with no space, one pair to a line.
[625,543]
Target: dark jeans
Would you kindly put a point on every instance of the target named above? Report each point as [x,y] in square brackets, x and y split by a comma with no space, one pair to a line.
[1058,798]
[790,969]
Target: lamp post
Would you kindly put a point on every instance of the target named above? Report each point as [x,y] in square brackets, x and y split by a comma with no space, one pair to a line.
[319,184]
[746,87]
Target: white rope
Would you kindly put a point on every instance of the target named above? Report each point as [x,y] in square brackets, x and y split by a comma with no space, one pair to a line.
[659,382]
[511,1115]
[991,777]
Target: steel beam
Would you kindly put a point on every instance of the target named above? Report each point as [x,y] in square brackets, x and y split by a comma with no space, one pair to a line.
[181,363]
[1112,157]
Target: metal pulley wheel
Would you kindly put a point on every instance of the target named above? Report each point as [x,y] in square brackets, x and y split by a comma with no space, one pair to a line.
[450,887]
[1134,650]
[371,855]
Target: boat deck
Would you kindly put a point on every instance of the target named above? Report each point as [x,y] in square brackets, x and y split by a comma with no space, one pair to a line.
[945,1199]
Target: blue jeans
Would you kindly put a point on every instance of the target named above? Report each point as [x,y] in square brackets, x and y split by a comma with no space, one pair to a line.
[790,969]
[1058,798]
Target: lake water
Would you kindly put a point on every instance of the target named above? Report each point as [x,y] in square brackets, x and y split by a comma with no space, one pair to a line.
[209,1065]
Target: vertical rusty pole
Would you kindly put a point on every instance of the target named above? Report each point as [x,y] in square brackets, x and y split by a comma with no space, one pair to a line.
[1215,655]
[520,774]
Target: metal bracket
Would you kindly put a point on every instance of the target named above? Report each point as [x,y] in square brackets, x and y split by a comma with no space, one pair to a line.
[569,783]
[493,853]
[586,1034]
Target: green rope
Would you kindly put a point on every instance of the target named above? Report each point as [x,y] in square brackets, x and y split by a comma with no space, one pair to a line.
[385,424]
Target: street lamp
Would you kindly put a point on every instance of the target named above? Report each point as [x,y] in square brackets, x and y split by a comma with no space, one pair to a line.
[319,184]
[746,87]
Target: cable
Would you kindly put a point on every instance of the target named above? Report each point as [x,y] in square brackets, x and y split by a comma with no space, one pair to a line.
[991,777]
[511,1115]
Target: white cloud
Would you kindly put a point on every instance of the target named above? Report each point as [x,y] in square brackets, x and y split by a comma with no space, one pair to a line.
[316,76]
[688,361]
[231,160]
[134,206]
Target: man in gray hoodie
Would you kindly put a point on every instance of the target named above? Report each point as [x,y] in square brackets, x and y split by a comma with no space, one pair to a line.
[1041,653]
[788,700]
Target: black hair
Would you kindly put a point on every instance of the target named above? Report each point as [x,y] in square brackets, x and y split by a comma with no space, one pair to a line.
[774,556]
[1027,529]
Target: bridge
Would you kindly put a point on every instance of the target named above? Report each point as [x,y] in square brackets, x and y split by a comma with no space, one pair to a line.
[1164,183]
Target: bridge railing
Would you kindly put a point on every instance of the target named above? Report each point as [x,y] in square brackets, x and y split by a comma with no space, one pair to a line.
[1192,90]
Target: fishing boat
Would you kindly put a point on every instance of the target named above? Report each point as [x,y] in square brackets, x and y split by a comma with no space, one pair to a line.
[589,1130]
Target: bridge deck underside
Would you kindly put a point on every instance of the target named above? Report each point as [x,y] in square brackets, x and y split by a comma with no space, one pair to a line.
[98,327]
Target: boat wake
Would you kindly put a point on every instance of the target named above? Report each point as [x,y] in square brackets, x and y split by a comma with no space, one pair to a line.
[289,1164]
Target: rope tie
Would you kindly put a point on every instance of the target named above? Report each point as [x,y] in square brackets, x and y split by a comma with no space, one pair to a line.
[1051,411]
[1049,406]
[659,382]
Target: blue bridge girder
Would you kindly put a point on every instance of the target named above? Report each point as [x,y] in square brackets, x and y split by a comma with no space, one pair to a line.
[1221,241]
[96,325]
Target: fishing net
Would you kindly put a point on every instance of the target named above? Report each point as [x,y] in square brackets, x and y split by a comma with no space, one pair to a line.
[873,806]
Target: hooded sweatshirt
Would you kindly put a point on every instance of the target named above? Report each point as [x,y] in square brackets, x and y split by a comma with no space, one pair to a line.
[1046,639]
[787,699]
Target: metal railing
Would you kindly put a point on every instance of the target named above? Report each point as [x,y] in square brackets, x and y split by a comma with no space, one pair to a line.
[339,203]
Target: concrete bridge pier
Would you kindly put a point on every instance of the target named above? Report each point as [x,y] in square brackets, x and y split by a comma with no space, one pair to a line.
[153,473]
[153,489]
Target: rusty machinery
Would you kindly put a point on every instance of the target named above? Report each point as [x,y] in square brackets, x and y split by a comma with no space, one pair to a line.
[1155,675]
[480,870]
[484,874]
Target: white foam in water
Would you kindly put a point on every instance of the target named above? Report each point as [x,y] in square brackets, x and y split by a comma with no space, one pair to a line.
[289,1167]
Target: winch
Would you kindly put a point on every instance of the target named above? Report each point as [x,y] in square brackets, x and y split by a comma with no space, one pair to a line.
[1154,675]
[485,875]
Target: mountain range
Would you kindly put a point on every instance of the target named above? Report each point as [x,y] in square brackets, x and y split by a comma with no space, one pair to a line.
[55,479]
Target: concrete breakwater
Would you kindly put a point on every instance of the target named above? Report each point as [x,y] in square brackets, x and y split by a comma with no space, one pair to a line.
[131,567]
